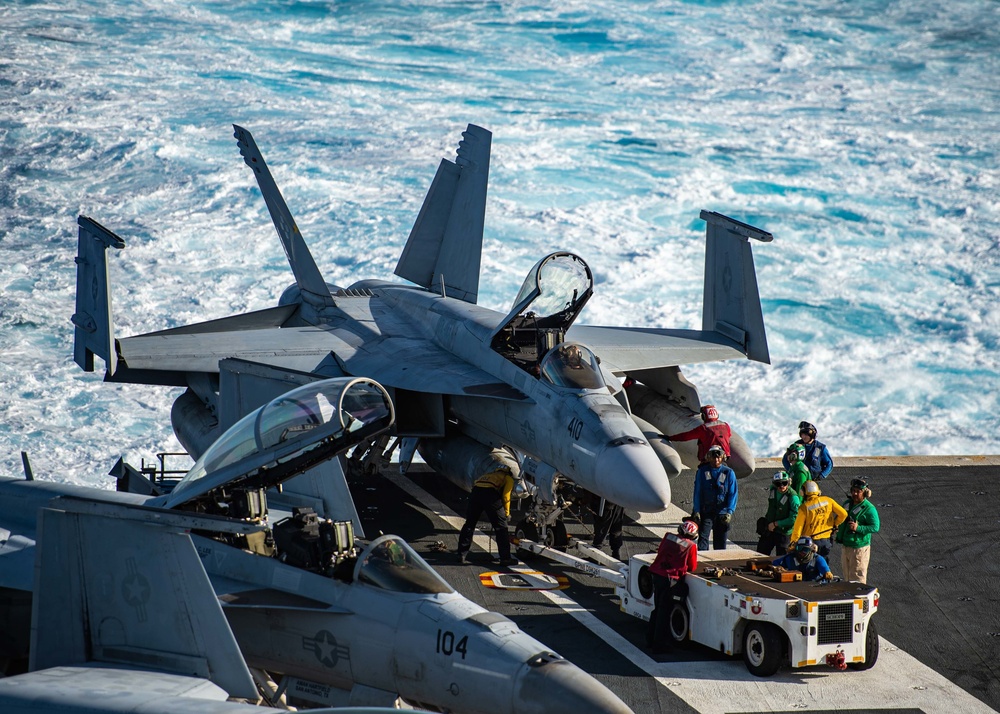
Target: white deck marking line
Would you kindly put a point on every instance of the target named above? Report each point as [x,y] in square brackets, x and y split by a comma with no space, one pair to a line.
[897,681]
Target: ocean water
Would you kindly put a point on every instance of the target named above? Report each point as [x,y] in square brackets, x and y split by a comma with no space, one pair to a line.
[863,135]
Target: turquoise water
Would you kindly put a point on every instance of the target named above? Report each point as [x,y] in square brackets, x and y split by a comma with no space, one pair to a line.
[862,135]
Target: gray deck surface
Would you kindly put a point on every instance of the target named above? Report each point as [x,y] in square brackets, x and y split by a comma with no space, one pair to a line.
[935,563]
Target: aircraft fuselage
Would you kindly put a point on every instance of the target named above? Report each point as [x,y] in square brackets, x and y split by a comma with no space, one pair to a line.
[586,435]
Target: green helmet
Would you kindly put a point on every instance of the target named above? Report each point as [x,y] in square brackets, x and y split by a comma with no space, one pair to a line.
[796,452]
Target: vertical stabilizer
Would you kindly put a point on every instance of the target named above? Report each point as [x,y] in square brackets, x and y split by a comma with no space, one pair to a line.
[94,334]
[310,280]
[113,589]
[732,302]
[445,246]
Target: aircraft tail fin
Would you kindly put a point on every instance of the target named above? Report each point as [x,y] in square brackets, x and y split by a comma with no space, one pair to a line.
[111,587]
[94,333]
[732,302]
[444,250]
[310,281]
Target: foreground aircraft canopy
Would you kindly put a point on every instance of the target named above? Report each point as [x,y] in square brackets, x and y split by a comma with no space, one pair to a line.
[203,585]
[466,380]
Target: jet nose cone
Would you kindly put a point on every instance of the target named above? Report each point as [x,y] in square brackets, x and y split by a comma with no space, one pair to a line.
[560,686]
[631,475]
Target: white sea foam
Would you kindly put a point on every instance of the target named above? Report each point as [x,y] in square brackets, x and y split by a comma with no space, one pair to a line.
[863,137]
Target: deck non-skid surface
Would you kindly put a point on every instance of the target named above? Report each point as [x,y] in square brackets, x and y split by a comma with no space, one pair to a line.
[934,564]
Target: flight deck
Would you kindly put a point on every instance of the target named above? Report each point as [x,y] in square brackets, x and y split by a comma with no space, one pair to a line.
[930,562]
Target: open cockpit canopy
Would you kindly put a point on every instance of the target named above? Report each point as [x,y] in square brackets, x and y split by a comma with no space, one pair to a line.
[290,433]
[551,297]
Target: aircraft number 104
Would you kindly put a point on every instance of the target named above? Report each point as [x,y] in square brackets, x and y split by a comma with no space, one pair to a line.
[446,643]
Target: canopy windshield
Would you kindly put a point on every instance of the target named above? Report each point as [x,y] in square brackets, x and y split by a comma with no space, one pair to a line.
[391,564]
[332,406]
[572,366]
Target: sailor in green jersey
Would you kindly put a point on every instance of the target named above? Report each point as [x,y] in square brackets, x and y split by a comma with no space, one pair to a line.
[797,470]
[855,533]
[782,507]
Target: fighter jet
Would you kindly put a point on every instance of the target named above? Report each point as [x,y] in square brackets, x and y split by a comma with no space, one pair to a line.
[336,622]
[124,619]
[466,380]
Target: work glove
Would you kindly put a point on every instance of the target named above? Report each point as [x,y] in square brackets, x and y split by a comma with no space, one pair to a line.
[724,518]
[828,576]
[696,517]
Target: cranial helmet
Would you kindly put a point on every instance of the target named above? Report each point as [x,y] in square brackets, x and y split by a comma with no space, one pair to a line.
[804,548]
[805,543]
[811,488]
[807,428]
[796,452]
[688,529]
[781,478]
[709,413]
[859,483]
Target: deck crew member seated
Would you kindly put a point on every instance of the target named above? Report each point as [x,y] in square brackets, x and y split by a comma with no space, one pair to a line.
[676,557]
[806,560]
[491,493]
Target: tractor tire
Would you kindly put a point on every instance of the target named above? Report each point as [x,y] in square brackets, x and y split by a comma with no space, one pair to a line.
[680,623]
[763,649]
[871,649]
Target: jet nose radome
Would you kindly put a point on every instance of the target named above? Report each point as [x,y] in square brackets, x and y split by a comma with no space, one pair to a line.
[630,474]
[548,683]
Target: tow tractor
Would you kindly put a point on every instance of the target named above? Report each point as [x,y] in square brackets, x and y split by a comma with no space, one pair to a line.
[739,605]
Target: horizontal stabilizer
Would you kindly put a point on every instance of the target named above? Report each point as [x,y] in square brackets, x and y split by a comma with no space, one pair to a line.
[307,275]
[94,334]
[446,242]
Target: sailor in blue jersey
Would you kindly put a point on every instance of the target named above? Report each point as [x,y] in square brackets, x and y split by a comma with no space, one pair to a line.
[714,502]
[817,456]
[806,560]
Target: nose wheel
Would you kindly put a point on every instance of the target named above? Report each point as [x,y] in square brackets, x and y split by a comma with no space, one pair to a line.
[553,536]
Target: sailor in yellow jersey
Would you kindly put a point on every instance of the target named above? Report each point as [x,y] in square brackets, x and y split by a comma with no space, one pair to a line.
[491,493]
[818,518]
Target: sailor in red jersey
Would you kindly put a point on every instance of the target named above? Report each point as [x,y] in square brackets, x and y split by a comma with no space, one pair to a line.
[676,556]
[710,433]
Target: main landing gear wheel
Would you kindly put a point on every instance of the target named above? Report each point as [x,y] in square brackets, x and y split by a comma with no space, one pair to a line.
[762,650]
[555,536]
[871,649]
